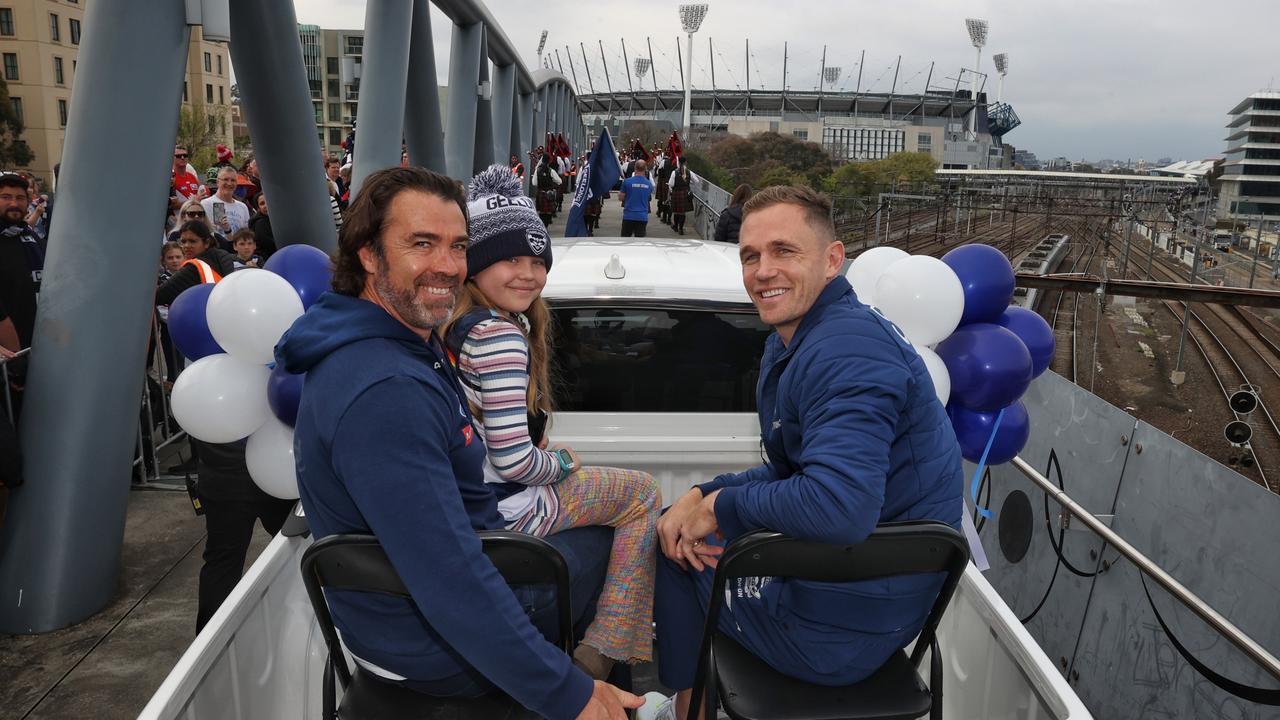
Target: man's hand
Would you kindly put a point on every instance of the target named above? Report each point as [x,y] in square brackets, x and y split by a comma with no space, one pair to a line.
[672,520]
[699,524]
[609,703]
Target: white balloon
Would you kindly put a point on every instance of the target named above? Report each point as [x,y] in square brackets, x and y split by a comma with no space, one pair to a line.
[249,310]
[269,455]
[221,399]
[937,372]
[922,296]
[866,269]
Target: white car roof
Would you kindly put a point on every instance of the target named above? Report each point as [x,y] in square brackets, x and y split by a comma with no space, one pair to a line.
[667,269]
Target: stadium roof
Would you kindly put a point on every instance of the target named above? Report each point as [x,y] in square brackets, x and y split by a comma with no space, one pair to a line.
[773,102]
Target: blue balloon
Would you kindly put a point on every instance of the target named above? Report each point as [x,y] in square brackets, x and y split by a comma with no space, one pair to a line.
[307,269]
[987,279]
[284,393]
[188,326]
[973,430]
[1034,332]
[989,366]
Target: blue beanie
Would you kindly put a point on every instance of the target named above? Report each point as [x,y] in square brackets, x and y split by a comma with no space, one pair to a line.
[504,223]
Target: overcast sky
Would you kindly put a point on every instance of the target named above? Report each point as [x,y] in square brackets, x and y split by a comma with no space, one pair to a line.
[1090,79]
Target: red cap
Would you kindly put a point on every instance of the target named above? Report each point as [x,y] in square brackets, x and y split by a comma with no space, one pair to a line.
[224,155]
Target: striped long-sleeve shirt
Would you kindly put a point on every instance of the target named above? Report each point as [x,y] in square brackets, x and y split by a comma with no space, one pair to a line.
[495,359]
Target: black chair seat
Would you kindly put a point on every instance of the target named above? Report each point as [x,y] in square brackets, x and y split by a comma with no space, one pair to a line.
[358,562]
[368,698]
[751,690]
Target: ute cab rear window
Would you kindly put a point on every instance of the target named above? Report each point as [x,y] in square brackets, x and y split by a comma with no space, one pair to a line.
[654,359]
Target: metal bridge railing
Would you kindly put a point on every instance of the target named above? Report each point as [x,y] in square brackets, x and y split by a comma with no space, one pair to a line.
[709,200]
[1146,565]
[156,433]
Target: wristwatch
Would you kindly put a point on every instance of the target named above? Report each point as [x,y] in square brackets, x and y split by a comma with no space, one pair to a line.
[567,465]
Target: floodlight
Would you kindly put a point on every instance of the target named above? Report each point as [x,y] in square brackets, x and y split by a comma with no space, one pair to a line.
[977,31]
[831,75]
[1002,63]
[542,42]
[642,67]
[691,17]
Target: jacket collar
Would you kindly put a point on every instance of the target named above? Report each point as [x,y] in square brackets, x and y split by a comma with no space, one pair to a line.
[836,289]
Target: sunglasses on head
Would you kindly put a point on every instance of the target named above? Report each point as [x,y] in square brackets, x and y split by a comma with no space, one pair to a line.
[194,214]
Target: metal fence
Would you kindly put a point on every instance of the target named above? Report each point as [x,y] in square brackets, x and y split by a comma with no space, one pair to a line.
[157,428]
[709,200]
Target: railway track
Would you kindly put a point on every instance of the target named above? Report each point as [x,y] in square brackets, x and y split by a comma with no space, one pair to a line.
[1214,331]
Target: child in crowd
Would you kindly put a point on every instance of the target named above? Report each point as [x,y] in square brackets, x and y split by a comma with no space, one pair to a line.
[246,247]
[171,258]
[498,339]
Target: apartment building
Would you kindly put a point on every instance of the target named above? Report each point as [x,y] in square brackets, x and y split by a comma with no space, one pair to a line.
[39,45]
[39,48]
[333,60]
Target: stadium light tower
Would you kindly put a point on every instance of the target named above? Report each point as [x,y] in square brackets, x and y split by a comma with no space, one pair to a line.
[1002,67]
[542,43]
[642,69]
[831,75]
[978,36]
[691,17]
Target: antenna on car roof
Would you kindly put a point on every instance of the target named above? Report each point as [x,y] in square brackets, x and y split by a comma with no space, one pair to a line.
[614,270]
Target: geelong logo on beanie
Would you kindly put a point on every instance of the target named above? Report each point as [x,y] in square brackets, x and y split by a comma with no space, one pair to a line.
[537,241]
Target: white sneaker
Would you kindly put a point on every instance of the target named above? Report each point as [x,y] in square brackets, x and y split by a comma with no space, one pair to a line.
[657,707]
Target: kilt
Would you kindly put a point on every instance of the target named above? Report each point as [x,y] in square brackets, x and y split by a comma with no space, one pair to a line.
[546,202]
[663,191]
[681,201]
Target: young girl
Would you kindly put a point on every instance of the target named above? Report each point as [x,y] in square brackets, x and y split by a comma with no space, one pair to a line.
[498,336]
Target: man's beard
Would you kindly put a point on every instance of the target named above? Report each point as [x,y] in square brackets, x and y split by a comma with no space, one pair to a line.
[13,217]
[406,303]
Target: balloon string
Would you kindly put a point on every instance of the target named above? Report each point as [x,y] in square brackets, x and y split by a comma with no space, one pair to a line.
[982,466]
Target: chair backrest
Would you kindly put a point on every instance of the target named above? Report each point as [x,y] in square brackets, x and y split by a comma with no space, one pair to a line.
[903,548]
[358,562]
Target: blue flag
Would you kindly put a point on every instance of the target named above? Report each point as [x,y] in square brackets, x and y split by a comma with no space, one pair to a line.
[594,180]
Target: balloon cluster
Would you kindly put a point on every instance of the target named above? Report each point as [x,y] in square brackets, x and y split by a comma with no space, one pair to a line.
[981,352]
[232,391]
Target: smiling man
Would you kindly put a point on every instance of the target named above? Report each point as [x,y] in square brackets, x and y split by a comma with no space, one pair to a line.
[855,437]
[384,446]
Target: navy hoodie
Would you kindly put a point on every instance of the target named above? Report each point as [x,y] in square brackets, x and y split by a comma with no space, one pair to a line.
[384,445]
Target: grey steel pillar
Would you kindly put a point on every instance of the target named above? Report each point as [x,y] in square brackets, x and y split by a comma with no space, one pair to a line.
[483,156]
[522,132]
[464,81]
[566,122]
[61,545]
[504,112]
[277,107]
[387,24]
[540,117]
[423,132]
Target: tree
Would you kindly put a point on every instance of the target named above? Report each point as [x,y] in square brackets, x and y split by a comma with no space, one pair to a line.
[773,173]
[750,159]
[868,178]
[14,151]
[200,128]
[704,168]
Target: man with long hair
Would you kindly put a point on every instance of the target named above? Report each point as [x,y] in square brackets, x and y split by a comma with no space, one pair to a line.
[386,446]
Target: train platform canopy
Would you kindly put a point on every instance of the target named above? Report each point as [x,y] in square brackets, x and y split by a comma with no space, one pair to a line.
[1046,176]
[1188,168]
